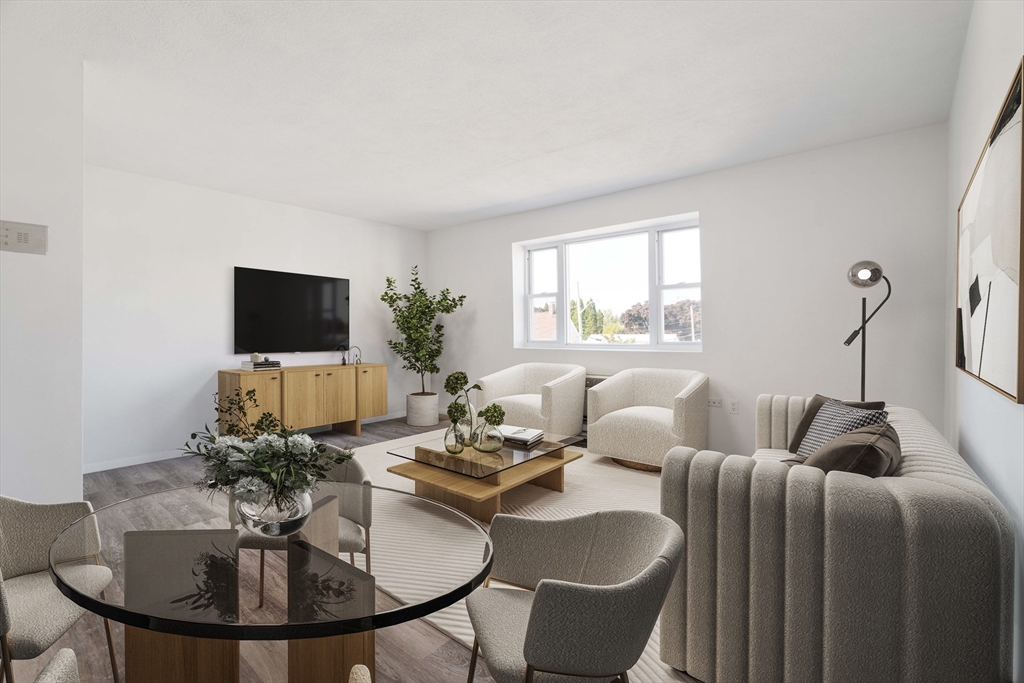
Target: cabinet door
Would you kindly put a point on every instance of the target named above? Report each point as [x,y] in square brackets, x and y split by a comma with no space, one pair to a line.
[372,387]
[339,394]
[303,398]
[268,394]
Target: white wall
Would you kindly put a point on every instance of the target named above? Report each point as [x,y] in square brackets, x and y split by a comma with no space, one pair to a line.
[159,260]
[988,426]
[777,239]
[41,296]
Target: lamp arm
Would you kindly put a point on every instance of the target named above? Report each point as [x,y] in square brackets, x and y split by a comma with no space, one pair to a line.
[856,332]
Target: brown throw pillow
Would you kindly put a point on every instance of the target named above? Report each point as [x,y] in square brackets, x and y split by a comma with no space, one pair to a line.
[814,405]
[873,451]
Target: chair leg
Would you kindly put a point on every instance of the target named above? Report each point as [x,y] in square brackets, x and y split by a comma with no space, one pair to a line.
[529,674]
[472,661]
[367,551]
[624,677]
[262,568]
[5,654]
[352,559]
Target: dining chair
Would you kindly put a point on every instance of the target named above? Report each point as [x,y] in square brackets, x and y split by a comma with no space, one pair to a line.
[63,668]
[594,587]
[359,674]
[355,514]
[33,613]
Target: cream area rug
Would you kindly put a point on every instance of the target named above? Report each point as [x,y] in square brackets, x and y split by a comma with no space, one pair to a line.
[591,483]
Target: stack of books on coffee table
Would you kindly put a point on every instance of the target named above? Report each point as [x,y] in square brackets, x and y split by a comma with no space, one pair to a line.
[521,436]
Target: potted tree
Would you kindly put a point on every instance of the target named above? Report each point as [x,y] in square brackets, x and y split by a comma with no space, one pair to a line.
[422,340]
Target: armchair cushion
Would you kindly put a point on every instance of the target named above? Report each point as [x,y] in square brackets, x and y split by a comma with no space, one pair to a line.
[522,410]
[40,614]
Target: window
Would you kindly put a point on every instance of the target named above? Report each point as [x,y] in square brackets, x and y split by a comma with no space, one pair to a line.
[636,288]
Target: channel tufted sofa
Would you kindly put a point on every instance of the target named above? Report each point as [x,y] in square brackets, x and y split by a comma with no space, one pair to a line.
[792,574]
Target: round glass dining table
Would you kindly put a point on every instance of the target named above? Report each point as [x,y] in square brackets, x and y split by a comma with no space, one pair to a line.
[189,583]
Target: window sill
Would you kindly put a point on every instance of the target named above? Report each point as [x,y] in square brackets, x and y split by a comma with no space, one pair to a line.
[687,347]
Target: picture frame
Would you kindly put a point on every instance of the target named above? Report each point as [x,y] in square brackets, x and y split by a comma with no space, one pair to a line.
[990,253]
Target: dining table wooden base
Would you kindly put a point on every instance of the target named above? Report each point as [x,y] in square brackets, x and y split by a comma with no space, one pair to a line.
[154,657]
[329,660]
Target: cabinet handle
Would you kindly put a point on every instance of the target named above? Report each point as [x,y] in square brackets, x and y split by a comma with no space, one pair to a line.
[329,374]
[317,374]
[274,377]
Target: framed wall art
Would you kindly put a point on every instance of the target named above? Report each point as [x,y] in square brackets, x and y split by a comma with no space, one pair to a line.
[990,250]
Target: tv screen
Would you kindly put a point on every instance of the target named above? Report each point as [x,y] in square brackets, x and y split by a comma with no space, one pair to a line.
[288,312]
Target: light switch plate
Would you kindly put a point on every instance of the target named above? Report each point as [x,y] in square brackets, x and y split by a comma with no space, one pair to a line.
[27,238]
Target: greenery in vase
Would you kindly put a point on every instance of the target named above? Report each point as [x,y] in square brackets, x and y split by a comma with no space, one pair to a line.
[260,460]
[457,411]
[493,415]
[457,384]
[415,317]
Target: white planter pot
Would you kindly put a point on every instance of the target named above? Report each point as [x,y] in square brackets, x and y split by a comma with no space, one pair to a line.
[421,410]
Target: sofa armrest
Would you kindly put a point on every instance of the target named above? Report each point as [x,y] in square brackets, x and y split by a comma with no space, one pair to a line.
[28,529]
[690,412]
[779,556]
[562,402]
[507,382]
[614,393]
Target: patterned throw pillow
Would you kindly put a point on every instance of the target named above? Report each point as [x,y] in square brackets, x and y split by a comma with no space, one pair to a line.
[835,419]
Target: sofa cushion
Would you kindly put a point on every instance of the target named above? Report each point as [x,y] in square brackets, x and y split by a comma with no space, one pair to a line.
[834,419]
[873,451]
[814,405]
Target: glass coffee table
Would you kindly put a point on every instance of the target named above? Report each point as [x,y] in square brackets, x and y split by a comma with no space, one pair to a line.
[473,482]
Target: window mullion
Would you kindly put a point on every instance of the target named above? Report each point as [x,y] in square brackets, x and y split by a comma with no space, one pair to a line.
[654,322]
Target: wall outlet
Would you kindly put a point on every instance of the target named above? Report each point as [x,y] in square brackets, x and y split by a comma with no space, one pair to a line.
[715,403]
[27,238]
[734,407]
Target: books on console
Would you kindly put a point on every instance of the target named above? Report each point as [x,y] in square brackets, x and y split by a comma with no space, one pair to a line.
[261,365]
[521,436]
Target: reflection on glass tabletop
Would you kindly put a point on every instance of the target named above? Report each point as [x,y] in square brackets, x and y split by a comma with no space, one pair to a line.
[476,464]
[180,566]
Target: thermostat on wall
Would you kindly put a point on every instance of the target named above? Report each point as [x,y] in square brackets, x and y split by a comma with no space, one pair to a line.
[27,238]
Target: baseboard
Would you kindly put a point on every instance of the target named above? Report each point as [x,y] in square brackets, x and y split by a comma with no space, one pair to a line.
[89,468]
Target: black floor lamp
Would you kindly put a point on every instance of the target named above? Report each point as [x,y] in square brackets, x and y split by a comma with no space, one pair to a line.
[865,274]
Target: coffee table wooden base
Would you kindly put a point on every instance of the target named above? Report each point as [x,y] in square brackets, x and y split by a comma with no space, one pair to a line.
[481,498]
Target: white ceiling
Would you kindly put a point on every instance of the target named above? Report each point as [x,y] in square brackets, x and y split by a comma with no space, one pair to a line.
[438,113]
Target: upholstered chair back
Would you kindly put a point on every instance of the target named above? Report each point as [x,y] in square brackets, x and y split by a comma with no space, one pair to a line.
[355,504]
[24,551]
[658,387]
[536,375]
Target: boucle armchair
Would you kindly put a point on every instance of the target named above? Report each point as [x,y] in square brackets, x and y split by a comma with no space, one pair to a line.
[595,585]
[545,396]
[637,415]
[797,575]
[33,613]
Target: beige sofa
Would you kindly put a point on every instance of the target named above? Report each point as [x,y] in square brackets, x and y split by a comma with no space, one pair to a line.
[795,575]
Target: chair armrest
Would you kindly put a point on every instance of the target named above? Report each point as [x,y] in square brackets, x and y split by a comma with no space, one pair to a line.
[527,551]
[63,668]
[28,529]
[615,393]
[690,412]
[610,624]
[562,402]
[507,382]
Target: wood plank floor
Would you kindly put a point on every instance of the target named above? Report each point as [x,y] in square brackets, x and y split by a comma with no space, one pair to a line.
[414,652]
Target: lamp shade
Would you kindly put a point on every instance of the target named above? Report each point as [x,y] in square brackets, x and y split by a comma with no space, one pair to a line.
[865,274]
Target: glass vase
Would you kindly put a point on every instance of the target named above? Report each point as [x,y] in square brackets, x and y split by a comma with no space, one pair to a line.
[263,517]
[455,438]
[487,438]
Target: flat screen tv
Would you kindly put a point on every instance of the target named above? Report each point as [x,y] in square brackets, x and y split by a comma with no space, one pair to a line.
[288,312]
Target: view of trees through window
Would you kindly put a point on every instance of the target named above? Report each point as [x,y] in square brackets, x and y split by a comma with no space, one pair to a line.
[609,290]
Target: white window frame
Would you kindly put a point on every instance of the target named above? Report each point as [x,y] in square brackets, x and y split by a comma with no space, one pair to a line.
[656,286]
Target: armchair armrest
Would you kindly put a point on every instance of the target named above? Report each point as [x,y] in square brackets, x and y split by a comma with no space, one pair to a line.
[690,412]
[507,382]
[615,393]
[567,393]
[610,623]
[527,551]
[28,529]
